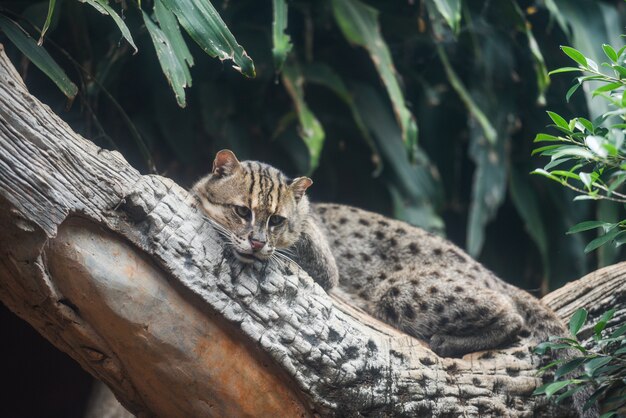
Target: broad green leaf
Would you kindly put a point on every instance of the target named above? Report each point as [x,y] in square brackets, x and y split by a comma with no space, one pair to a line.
[609,212]
[577,321]
[610,52]
[585,178]
[359,24]
[325,76]
[205,26]
[413,188]
[607,88]
[586,226]
[450,11]
[281,41]
[527,205]
[558,120]
[171,30]
[620,70]
[575,55]
[174,69]
[456,83]
[573,151]
[601,240]
[620,351]
[311,130]
[38,56]
[46,25]
[545,150]
[568,393]
[103,7]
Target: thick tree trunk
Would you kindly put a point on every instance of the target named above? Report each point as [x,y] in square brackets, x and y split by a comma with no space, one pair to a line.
[123,273]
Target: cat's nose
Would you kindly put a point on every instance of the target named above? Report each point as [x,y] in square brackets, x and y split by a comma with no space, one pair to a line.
[256,244]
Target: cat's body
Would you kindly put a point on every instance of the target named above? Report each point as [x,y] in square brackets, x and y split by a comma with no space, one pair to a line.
[407,277]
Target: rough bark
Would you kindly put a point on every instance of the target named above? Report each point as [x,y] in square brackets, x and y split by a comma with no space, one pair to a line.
[123,273]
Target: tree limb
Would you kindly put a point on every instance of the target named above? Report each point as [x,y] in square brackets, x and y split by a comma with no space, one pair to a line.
[122,272]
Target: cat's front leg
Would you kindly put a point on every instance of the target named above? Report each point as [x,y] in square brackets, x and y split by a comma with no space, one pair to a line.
[313,254]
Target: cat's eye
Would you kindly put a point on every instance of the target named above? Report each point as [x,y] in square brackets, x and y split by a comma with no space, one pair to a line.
[276,220]
[243,212]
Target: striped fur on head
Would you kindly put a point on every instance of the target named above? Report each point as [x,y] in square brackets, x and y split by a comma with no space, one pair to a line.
[253,203]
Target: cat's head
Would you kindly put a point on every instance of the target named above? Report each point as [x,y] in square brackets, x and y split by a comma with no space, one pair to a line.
[259,209]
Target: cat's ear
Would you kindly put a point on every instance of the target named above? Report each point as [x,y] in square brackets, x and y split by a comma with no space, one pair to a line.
[225,163]
[299,185]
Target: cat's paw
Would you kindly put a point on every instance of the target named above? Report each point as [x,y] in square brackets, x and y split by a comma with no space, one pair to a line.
[443,346]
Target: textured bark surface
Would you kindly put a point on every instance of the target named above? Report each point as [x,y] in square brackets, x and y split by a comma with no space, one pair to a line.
[123,273]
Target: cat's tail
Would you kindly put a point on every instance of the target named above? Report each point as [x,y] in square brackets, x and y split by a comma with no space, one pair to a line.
[540,324]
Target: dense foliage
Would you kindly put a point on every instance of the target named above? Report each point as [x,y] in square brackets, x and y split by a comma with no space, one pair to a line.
[589,157]
[424,110]
[601,365]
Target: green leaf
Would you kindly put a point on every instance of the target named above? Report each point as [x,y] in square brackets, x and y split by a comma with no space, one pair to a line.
[610,52]
[564,70]
[577,321]
[586,226]
[568,367]
[552,388]
[607,87]
[103,7]
[205,26]
[620,351]
[571,91]
[575,55]
[359,24]
[175,70]
[46,25]
[592,365]
[546,138]
[620,70]
[601,324]
[601,240]
[450,11]
[490,132]
[559,121]
[171,30]
[281,41]
[572,151]
[414,187]
[38,56]
[311,130]
[619,332]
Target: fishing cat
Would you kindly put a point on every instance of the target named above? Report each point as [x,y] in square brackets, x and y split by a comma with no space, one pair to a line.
[411,279]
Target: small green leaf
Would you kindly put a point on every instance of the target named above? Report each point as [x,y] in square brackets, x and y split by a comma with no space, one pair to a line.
[568,367]
[601,324]
[610,52]
[587,225]
[564,70]
[38,56]
[592,365]
[103,7]
[607,88]
[575,55]
[619,332]
[558,120]
[577,321]
[546,137]
[571,91]
[601,240]
[620,70]
[552,388]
